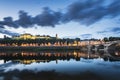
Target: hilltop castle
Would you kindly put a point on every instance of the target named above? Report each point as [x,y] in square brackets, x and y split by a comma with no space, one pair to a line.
[29,36]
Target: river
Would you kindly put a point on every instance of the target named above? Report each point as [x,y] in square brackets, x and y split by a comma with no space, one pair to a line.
[59,65]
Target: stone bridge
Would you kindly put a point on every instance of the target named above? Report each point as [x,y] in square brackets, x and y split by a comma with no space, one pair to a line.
[106,46]
[112,43]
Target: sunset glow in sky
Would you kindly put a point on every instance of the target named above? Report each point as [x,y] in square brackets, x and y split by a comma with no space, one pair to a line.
[67,18]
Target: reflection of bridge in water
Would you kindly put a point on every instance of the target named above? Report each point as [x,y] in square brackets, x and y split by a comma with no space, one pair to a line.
[30,57]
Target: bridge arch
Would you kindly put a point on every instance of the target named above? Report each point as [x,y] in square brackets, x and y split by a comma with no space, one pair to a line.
[113,43]
[110,45]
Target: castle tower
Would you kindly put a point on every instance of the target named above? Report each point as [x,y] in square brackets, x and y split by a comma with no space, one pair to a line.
[5,36]
[56,35]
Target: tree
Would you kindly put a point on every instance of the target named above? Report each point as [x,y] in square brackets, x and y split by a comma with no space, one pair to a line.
[106,39]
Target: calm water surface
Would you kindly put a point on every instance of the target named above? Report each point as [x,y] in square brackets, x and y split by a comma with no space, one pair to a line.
[60,65]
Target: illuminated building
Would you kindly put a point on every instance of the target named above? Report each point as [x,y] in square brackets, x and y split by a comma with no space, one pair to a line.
[29,36]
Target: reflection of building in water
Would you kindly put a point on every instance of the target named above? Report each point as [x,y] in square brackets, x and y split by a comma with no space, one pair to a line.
[30,57]
[117,54]
[30,61]
[2,62]
[73,54]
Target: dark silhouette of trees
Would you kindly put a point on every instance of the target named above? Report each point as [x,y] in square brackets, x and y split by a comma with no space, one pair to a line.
[106,39]
[52,41]
[111,39]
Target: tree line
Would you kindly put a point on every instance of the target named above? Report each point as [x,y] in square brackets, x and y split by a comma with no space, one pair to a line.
[107,39]
[11,41]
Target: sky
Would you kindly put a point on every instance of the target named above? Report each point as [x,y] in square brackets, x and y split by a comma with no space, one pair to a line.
[68,18]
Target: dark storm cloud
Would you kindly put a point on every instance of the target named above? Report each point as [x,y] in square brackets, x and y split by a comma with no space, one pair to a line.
[3,31]
[9,22]
[91,11]
[1,27]
[86,12]
[24,20]
[48,18]
[113,9]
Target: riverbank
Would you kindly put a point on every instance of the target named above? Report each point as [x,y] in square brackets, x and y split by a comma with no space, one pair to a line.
[39,48]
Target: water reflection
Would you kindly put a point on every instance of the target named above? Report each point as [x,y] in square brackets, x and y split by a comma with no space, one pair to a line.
[30,57]
[70,65]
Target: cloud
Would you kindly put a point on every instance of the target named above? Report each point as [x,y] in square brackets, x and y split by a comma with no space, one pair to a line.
[86,12]
[90,11]
[86,36]
[48,18]
[102,32]
[1,27]
[9,22]
[24,20]
[3,31]
[115,30]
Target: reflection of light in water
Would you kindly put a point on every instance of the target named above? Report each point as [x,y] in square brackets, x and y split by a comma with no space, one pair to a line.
[75,53]
[98,66]
[64,62]
[88,55]
[1,61]
[116,53]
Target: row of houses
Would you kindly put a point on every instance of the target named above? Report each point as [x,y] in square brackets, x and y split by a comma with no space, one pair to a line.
[75,43]
[28,36]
